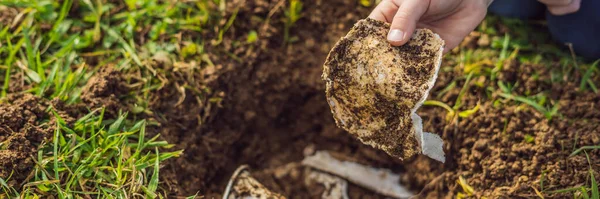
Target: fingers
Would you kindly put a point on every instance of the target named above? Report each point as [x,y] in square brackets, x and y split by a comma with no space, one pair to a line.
[385,11]
[571,7]
[405,20]
[457,26]
[556,2]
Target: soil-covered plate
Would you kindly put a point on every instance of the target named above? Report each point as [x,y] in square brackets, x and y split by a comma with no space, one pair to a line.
[374,89]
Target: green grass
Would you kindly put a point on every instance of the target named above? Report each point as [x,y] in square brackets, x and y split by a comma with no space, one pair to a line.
[54,58]
[586,81]
[292,14]
[587,191]
[516,45]
[98,158]
[539,105]
[472,66]
[454,112]
[52,50]
[583,148]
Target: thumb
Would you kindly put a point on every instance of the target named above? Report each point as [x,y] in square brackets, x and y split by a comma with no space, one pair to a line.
[405,21]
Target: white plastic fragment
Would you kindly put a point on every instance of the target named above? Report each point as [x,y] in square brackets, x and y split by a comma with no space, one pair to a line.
[382,181]
[431,144]
[335,187]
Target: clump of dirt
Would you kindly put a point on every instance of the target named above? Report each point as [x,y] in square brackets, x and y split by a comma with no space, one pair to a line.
[102,90]
[21,133]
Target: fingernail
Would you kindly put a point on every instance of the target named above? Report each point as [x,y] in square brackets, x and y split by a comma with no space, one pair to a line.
[395,35]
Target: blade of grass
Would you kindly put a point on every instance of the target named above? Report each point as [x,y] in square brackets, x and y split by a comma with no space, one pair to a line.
[9,61]
[582,149]
[131,52]
[592,85]
[226,27]
[584,193]
[438,103]
[548,113]
[594,185]
[462,92]
[153,185]
[114,128]
[446,89]
[29,49]
[469,112]
[538,193]
[502,58]
[566,190]
[55,150]
[468,189]
[587,75]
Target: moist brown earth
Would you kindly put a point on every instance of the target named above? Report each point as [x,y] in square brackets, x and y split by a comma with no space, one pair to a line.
[21,132]
[103,89]
[269,110]
[25,121]
[274,105]
[274,112]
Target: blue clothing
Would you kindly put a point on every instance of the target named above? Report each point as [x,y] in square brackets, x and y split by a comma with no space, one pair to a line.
[582,28]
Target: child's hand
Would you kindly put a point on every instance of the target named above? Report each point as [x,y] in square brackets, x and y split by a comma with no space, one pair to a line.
[453,20]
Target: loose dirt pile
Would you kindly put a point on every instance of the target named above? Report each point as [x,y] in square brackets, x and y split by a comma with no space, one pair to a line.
[20,135]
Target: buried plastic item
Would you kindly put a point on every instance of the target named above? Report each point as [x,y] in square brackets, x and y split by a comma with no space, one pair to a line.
[335,187]
[382,181]
[374,89]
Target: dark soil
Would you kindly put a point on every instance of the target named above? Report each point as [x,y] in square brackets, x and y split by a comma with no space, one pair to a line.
[102,90]
[275,109]
[25,120]
[269,110]
[21,133]
[274,105]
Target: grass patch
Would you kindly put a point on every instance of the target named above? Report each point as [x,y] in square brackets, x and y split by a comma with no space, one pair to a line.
[96,158]
[586,80]
[454,112]
[51,50]
[549,112]
[589,191]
